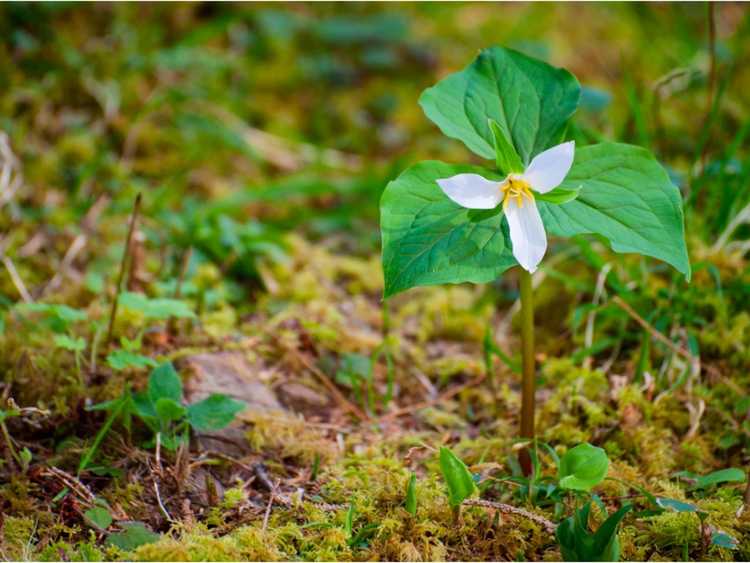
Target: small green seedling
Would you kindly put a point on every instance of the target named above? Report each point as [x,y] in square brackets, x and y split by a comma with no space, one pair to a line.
[703,482]
[410,503]
[453,223]
[717,537]
[361,538]
[22,458]
[582,468]
[98,516]
[579,470]
[161,409]
[355,372]
[578,543]
[155,308]
[77,345]
[55,317]
[132,536]
[459,479]
[128,357]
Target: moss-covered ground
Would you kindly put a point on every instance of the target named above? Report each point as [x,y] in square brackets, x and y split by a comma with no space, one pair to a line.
[260,137]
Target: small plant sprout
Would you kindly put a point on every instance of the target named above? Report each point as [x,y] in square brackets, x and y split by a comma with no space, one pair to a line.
[455,223]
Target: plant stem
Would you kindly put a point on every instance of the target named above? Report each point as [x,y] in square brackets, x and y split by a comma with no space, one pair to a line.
[527,354]
[125,253]
[9,443]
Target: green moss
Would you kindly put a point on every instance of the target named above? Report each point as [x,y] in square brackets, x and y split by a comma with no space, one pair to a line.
[18,537]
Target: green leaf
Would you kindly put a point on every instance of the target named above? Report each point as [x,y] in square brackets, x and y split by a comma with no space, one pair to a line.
[428,239]
[99,517]
[169,410]
[577,543]
[530,100]
[506,157]
[721,539]
[354,369]
[26,456]
[143,406]
[116,407]
[164,382]
[729,475]
[214,412]
[123,359]
[5,415]
[558,196]
[134,535]
[69,343]
[349,521]
[57,317]
[460,482]
[583,467]
[625,196]
[157,309]
[676,505]
[411,495]
[605,538]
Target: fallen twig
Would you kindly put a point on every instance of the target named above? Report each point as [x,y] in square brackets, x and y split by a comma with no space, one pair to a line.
[16,278]
[510,509]
[72,483]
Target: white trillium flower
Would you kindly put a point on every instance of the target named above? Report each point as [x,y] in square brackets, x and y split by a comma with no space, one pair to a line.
[546,171]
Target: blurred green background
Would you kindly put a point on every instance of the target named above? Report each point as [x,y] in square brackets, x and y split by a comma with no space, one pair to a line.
[261,137]
[242,122]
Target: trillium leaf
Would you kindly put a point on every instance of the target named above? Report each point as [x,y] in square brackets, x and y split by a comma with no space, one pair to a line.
[428,239]
[627,197]
[529,99]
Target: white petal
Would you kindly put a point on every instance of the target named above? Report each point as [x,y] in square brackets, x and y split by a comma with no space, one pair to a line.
[526,233]
[472,191]
[548,169]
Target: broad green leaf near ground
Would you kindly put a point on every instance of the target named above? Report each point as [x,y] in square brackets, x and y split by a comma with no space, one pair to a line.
[164,382]
[214,412]
[428,239]
[457,477]
[583,467]
[529,99]
[627,197]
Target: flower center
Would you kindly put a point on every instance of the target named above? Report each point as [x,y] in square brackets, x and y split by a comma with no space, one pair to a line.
[515,187]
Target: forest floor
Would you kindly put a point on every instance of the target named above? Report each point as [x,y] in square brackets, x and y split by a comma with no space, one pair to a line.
[260,139]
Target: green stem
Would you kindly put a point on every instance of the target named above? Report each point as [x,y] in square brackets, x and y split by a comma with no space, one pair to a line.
[527,353]
[9,443]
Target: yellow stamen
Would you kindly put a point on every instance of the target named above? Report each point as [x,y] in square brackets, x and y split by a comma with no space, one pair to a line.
[515,187]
